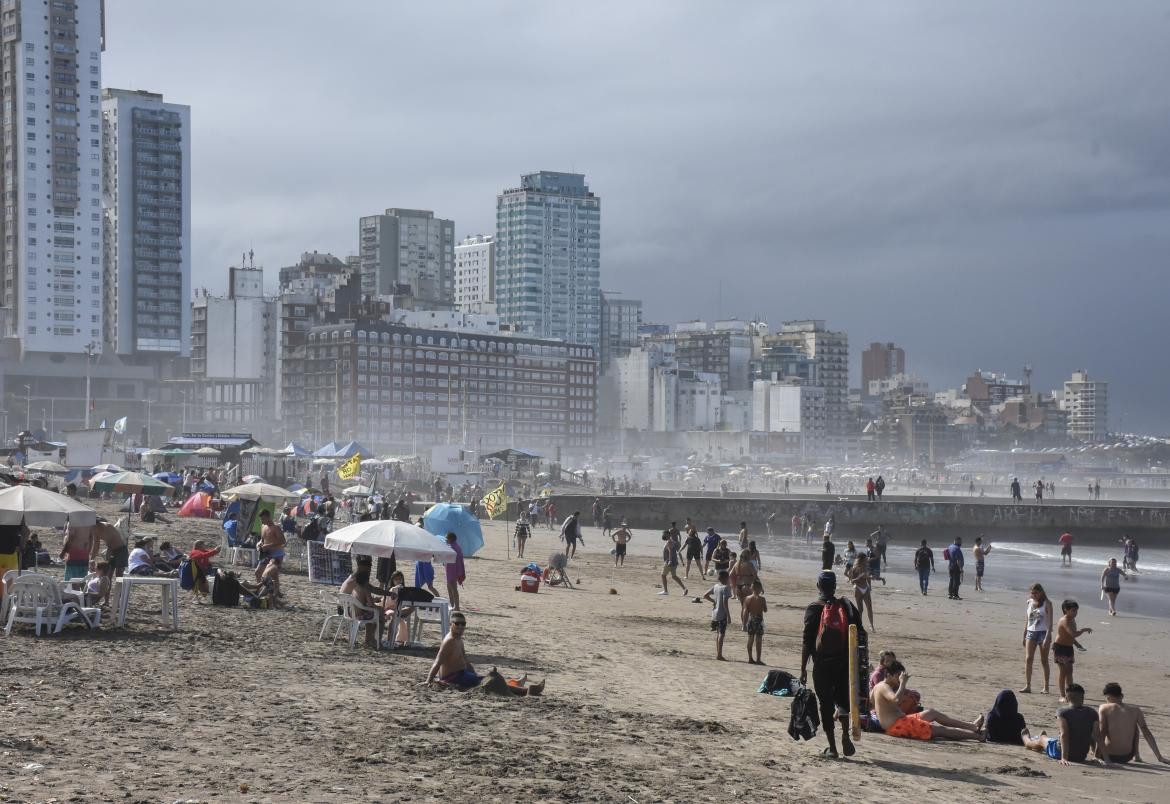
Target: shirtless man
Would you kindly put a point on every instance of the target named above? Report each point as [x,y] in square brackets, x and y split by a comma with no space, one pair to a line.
[76,551]
[358,585]
[117,554]
[926,725]
[272,544]
[756,606]
[1120,724]
[451,665]
[621,537]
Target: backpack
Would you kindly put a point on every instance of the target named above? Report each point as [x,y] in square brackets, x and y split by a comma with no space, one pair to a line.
[186,574]
[833,633]
[921,558]
[226,591]
[947,554]
[805,718]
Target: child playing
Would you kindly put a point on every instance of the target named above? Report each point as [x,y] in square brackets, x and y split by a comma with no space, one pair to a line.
[755,606]
[97,588]
[200,556]
[1062,647]
[719,595]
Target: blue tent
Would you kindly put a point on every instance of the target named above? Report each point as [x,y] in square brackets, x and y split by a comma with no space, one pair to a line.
[351,449]
[443,518]
[327,451]
[296,450]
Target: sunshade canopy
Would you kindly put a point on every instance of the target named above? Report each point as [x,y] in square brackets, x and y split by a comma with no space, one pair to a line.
[383,538]
[40,508]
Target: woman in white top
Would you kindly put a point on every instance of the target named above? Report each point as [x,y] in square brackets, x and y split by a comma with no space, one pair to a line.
[1037,633]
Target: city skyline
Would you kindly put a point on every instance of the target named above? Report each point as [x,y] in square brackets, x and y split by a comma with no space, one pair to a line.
[898,191]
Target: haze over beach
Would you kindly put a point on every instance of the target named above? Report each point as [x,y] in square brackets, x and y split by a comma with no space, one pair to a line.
[459,402]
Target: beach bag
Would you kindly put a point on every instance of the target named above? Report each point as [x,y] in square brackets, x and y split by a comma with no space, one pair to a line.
[833,633]
[777,682]
[186,574]
[947,554]
[226,591]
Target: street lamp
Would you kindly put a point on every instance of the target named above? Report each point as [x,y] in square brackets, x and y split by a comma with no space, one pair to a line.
[28,408]
[89,349]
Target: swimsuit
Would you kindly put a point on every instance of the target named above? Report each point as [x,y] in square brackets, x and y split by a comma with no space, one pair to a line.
[719,625]
[464,679]
[1063,654]
[1121,759]
[979,568]
[620,550]
[912,727]
[755,625]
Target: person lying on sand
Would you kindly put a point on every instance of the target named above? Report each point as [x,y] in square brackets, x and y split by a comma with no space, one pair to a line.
[452,668]
[925,725]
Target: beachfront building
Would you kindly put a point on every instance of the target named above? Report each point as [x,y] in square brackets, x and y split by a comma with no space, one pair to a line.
[147,200]
[475,274]
[881,361]
[986,388]
[1086,402]
[548,257]
[723,348]
[657,394]
[620,319]
[788,407]
[412,379]
[408,252]
[830,350]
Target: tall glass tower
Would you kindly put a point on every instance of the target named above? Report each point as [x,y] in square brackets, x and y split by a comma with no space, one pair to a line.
[548,257]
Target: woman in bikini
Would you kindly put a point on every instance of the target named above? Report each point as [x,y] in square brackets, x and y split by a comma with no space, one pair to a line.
[1038,633]
[745,576]
[858,573]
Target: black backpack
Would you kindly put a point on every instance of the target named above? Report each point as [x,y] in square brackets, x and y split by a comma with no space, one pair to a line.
[805,717]
[226,591]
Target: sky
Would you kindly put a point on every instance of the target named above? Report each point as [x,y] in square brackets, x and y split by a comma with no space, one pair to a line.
[985,184]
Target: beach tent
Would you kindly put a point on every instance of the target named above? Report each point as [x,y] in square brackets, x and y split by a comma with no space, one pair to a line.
[327,451]
[351,449]
[443,518]
[197,505]
[389,538]
[296,450]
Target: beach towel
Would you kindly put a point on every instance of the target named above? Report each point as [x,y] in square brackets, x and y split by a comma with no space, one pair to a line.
[779,683]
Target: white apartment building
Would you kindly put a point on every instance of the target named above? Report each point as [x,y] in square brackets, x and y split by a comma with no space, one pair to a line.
[51,263]
[408,247]
[147,195]
[1087,404]
[785,407]
[656,394]
[475,274]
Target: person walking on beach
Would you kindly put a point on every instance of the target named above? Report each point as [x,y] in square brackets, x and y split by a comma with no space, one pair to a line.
[571,533]
[607,521]
[879,485]
[980,553]
[924,563]
[1039,492]
[1037,634]
[1120,724]
[828,552]
[621,537]
[1066,543]
[1017,492]
[670,562]
[756,606]
[873,558]
[858,575]
[710,543]
[694,549]
[825,640]
[456,571]
[719,595]
[742,576]
[869,490]
[1063,652]
[1111,584]
[743,536]
[954,559]
[881,537]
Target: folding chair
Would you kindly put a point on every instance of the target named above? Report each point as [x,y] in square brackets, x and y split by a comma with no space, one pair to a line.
[556,573]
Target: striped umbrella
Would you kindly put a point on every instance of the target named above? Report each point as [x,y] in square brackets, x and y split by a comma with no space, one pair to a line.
[132,483]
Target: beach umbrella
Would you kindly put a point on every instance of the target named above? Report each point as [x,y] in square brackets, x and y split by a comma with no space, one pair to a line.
[324,462]
[40,508]
[47,467]
[132,483]
[385,538]
[99,476]
[443,518]
[251,479]
[261,491]
[107,467]
[210,452]
[358,491]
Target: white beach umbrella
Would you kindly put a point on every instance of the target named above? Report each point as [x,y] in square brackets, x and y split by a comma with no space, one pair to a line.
[47,467]
[210,452]
[261,491]
[40,508]
[383,538]
[107,467]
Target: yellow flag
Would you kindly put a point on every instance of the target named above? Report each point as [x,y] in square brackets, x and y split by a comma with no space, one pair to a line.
[350,468]
[496,502]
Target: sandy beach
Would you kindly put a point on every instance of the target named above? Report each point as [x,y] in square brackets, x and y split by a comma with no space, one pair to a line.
[243,705]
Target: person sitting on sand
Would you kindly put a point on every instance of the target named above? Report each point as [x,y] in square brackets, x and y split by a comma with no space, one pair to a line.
[1080,732]
[1004,722]
[1120,724]
[141,562]
[928,724]
[97,587]
[452,668]
[168,557]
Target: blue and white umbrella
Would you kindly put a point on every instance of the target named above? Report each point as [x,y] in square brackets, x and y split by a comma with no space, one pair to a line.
[443,518]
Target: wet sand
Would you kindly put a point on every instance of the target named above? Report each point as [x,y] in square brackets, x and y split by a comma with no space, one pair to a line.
[245,705]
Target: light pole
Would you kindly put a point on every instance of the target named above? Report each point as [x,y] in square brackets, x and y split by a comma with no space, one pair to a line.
[89,347]
[28,408]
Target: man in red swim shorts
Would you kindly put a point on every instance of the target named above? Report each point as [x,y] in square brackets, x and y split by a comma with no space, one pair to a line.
[926,725]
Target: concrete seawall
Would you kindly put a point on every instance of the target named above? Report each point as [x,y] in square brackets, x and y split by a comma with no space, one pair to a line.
[854,519]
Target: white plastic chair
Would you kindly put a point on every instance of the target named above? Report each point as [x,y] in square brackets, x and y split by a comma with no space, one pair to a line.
[36,600]
[7,581]
[330,603]
[352,617]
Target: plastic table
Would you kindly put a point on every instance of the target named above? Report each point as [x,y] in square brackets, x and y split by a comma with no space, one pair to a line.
[170,596]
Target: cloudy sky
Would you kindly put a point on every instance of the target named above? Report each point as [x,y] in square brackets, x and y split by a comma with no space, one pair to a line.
[987,184]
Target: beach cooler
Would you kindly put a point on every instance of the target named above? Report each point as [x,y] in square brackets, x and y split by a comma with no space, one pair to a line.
[530,583]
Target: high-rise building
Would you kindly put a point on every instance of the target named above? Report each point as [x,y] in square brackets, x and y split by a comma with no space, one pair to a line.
[475,274]
[1087,404]
[723,348]
[548,257]
[51,262]
[620,319]
[880,361]
[780,406]
[147,200]
[831,351]
[408,248]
